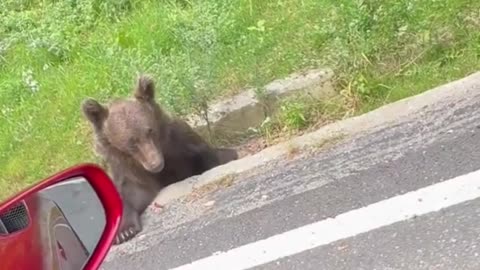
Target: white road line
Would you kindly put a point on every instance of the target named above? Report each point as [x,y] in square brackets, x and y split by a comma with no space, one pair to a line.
[429,199]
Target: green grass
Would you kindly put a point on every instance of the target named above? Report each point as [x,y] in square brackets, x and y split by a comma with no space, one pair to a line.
[53,54]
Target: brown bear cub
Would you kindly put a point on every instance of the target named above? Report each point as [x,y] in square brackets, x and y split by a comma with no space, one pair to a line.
[146,150]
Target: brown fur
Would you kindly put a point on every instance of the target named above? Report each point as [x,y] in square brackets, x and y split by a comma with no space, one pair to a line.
[146,149]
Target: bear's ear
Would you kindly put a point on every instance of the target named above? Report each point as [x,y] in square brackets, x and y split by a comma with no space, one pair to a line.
[145,89]
[94,112]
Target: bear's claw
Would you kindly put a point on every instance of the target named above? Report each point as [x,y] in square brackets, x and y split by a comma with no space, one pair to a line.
[125,235]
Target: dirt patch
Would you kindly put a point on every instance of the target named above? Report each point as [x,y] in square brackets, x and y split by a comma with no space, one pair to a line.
[251,146]
[328,142]
[256,144]
[199,193]
[293,151]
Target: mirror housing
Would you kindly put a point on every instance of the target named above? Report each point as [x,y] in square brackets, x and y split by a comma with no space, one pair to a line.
[100,185]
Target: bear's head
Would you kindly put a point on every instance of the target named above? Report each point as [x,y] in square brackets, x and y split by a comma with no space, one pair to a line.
[134,127]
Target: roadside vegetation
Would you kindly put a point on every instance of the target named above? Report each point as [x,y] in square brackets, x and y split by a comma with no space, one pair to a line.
[53,54]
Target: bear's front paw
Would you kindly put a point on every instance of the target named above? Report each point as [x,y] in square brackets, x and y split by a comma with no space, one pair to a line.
[129,228]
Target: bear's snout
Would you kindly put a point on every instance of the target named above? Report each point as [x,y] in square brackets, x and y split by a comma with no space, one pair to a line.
[152,159]
[154,163]
[154,166]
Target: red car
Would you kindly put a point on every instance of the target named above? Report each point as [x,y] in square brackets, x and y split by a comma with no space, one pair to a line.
[66,222]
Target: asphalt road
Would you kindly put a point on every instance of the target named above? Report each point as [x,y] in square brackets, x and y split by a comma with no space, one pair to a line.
[428,150]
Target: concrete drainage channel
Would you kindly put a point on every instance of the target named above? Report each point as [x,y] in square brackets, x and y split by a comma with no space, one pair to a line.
[244,111]
[232,117]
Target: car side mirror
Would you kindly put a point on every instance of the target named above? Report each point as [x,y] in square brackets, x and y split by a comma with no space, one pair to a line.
[67,221]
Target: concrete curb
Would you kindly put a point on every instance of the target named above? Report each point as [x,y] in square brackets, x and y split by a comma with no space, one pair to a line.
[399,111]
[230,118]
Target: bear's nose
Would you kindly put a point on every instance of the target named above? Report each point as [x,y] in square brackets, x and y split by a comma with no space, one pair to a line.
[156,165]
[154,162]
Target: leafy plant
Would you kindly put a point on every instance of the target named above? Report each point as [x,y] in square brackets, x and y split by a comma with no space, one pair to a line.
[293,115]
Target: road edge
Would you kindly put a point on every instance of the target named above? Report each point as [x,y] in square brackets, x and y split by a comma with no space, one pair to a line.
[398,111]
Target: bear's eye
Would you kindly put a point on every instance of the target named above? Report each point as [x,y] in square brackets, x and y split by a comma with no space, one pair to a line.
[149,131]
